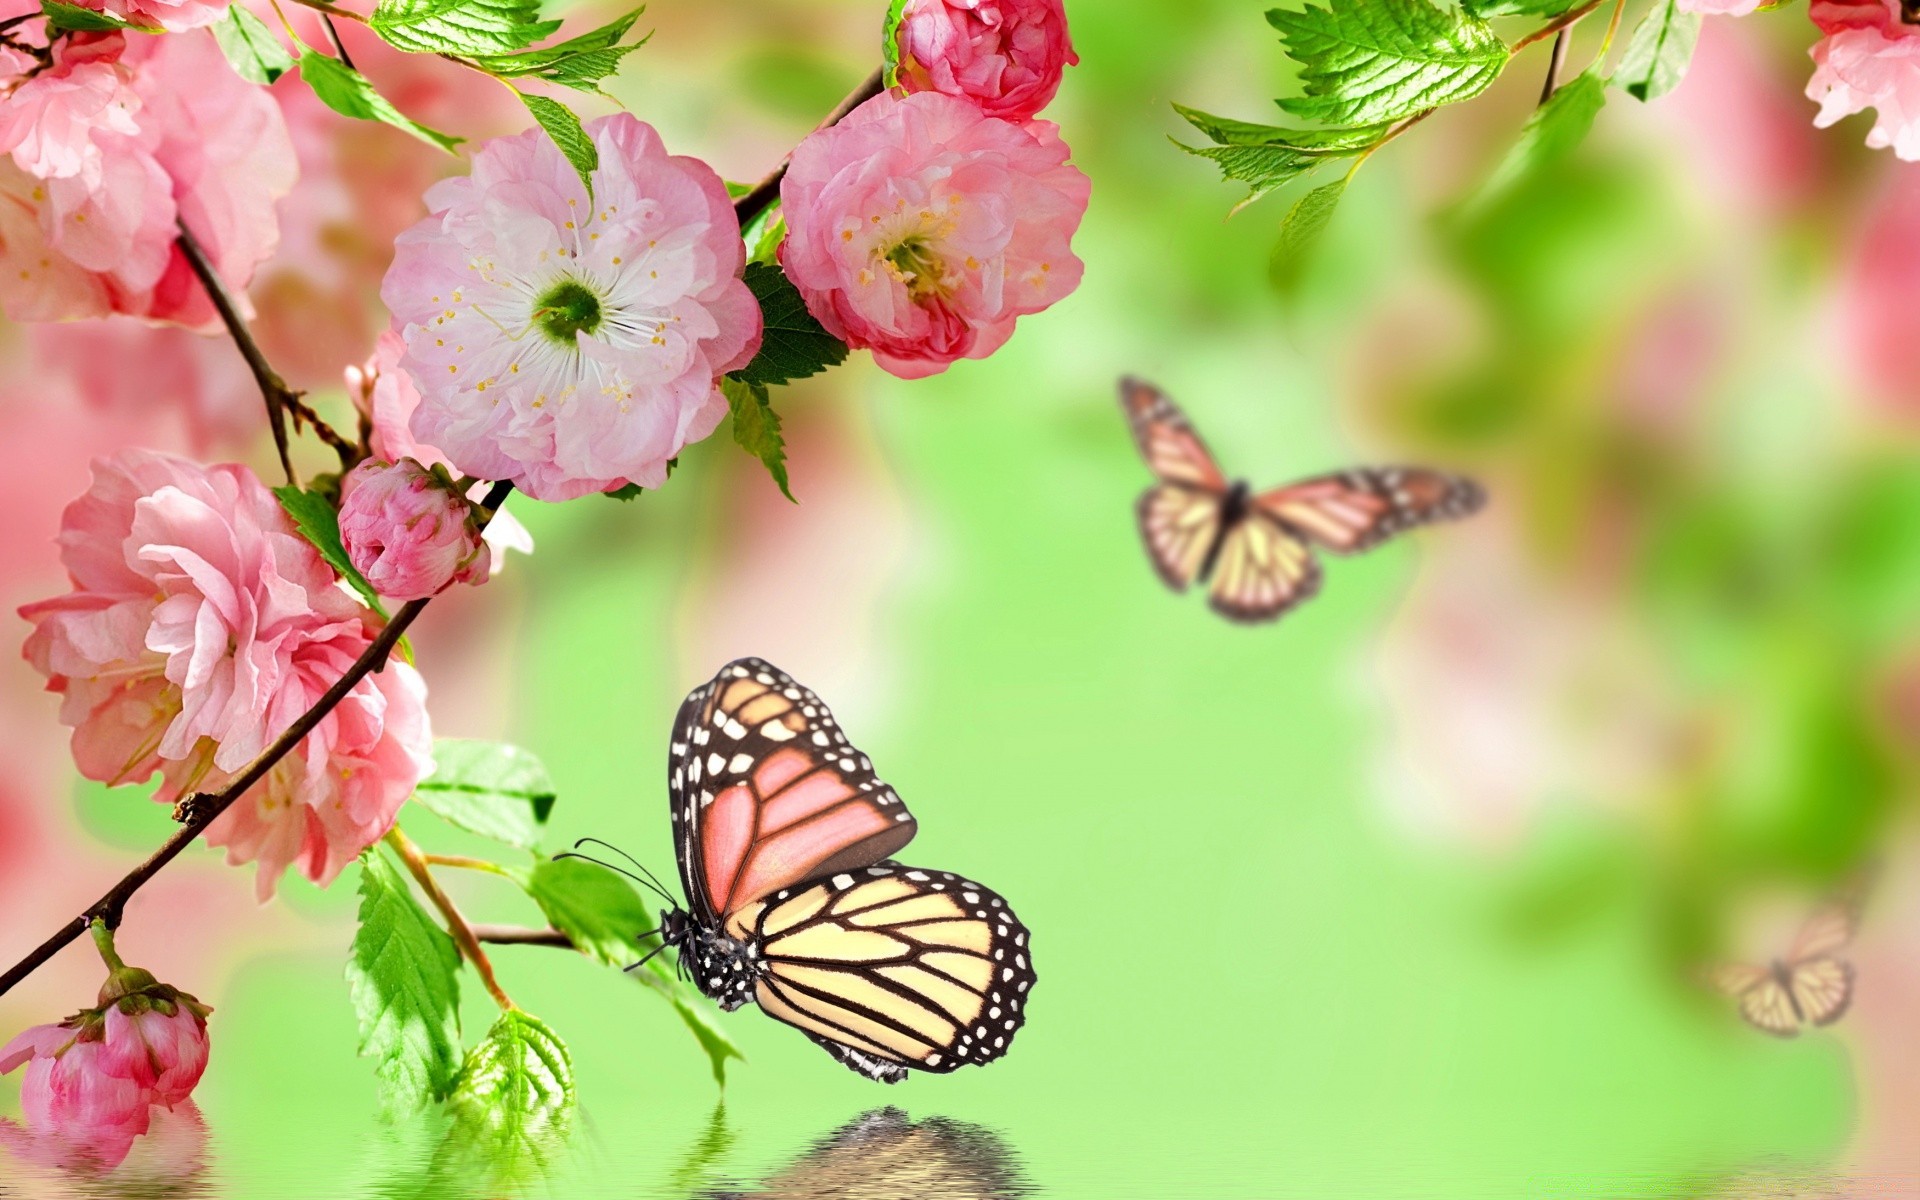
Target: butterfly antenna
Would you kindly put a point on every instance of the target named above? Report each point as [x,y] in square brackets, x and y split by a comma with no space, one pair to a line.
[638,865]
[664,894]
[649,958]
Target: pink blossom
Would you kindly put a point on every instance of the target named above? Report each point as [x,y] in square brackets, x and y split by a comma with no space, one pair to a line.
[1006,56]
[408,531]
[173,16]
[48,123]
[68,1088]
[200,625]
[922,230]
[159,1045]
[206,148]
[573,344]
[1869,58]
[1720,8]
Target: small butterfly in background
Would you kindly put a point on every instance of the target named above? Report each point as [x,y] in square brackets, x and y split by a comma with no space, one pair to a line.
[1257,548]
[784,835]
[1812,985]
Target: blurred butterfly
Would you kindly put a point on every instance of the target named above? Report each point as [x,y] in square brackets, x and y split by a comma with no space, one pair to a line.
[1257,548]
[885,1154]
[1812,985]
[784,836]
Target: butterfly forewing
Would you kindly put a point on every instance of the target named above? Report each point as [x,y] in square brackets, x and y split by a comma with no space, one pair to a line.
[892,967]
[767,792]
[1261,572]
[1166,439]
[1357,510]
[1822,989]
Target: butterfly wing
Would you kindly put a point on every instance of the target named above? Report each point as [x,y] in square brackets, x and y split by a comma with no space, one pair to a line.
[1357,510]
[1262,571]
[1763,1001]
[1179,525]
[1167,440]
[1822,988]
[1827,931]
[893,967]
[767,792]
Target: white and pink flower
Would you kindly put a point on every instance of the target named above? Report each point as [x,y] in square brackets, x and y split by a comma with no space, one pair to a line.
[200,625]
[922,229]
[1005,56]
[1868,58]
[573,344]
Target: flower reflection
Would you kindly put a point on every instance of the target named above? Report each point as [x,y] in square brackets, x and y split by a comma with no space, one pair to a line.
[169,1160]
[884,1155]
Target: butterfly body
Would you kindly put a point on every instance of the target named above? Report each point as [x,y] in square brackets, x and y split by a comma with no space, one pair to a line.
[784,838]
[1255,550]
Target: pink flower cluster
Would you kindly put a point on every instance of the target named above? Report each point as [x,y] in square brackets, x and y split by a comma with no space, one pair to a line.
[114,141]
[1006,56]
[200,625]
[572,343]
[1869,58]
[94,1079]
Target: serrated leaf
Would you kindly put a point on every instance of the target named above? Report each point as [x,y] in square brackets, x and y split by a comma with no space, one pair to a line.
[1658,55]
[349,93]
[489,788]
[402,977]
[579,63]
[793,345]
[604,916]
[567,133]
[1261,168]
[1522,8]
[257,56]
[890,42]
[460,26]
[319,523]
[756,427]
[1364,61]
[1553,130]
[513,1104]
[1228,132]
[62,16]
[1305,222]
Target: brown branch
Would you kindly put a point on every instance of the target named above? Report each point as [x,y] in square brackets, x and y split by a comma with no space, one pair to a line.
[303,415]
[1556,63]
[272,387]
[331,10]
[202,809]
[1554,26]
[333,35]
[514,935]
[756,201]
[462,932]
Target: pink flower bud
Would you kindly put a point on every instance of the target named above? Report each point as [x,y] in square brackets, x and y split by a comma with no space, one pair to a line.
[1006,56]
[409,531]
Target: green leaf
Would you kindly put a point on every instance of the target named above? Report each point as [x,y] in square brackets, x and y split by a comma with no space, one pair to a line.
[604,916]
[1661,50]
[460,26]
[1522,8]
[1364,61]
[1301,230]
[1553,130]
[319,523]
[1228,132]
[62,16]
[579,63]
[514,1102]
[348,92]
[257,56]
[890,42]
[1261,168]
[489,788]
[794,345]
[756,427]
[402,979]
[567,133]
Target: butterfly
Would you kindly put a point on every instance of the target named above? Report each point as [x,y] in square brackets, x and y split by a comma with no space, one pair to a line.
[1256,549]
[885,1153]
[1812,985]
[784,837]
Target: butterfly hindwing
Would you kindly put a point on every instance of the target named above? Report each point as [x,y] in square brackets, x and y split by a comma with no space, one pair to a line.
[1822,989]
[1179,525]
[767,792]
[894,967]
[1357,510]
[1261,572]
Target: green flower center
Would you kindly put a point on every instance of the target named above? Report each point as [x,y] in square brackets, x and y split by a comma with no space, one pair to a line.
[915,264]
[567,309]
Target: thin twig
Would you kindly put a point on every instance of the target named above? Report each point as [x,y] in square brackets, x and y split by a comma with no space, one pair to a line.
[463,862]
[1556,25]
[755,202]
[462,932]
[1556,63]
[272,387]
[200,810]
[332,10]
[304,414]
[514,935]
[339,47]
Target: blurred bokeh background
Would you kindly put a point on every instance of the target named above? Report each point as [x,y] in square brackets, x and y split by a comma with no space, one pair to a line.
[1401,896]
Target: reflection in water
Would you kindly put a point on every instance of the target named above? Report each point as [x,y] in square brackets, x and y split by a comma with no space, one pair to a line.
[885,1156]
[475,1151]
[167,1162]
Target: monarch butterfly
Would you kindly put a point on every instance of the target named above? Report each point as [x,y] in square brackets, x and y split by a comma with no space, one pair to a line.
[883,1153]
[783,835]
[1810,986]
[1256,548]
